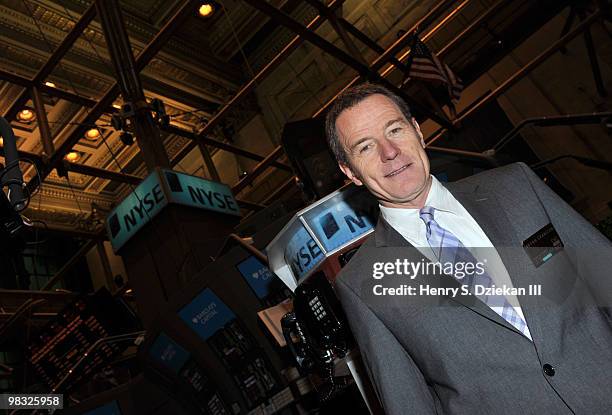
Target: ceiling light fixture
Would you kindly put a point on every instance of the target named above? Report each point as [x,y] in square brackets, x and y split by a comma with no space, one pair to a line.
[51,84]
[206,9]
[25,115]
[73,156]
[92,134]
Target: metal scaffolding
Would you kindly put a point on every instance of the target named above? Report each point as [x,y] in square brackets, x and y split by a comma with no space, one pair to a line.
[441,13]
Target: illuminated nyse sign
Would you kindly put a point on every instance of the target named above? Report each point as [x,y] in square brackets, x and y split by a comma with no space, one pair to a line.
[342,219]
[156,191]
[302,253]
[138,208]
[197,192]
[334,222]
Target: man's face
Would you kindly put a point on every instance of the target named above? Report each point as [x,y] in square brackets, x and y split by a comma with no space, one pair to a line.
[385,152]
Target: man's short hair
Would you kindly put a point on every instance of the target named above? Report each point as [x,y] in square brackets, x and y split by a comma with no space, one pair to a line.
[349,99]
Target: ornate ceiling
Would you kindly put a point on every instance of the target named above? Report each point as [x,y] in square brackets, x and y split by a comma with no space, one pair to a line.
[194,70]
[202,66]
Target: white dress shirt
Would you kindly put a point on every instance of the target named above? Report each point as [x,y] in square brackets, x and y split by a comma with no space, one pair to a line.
[452,216]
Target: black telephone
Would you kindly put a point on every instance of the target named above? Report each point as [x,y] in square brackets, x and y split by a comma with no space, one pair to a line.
[318,322]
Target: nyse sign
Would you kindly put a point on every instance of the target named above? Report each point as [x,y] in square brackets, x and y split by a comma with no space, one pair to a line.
[157,190]
[302,253]
[320,231]
[334,223]
[138,208]
[200,193]
[343,218]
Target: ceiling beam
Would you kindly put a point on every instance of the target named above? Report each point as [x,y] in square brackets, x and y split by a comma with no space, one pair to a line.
[365,39]
[249,86]
[49,90]
[15,79]
[173,93]
[257,170]
[103,174]
[153,85]
[120,50]
[527,68]
[53,60]
[364,70]
[81,169]
[27,155]
[388,55]
[217,144]
[111,94]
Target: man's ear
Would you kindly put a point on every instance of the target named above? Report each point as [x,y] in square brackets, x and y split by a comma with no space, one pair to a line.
[418,130]
[349,173]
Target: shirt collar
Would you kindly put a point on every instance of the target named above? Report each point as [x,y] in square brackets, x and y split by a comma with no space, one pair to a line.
[438,197]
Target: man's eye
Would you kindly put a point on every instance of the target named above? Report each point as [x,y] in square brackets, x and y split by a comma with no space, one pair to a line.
[365,148]
[396,130]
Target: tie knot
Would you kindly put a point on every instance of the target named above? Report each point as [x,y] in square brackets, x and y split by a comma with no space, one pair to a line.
[427,214]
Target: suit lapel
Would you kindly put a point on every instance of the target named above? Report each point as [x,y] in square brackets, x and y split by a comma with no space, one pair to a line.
[491,217]
[488,213]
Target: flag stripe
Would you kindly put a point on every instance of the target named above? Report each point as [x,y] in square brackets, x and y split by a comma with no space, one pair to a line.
[428,67]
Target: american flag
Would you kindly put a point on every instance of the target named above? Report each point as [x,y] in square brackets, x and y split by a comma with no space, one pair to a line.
[426,66]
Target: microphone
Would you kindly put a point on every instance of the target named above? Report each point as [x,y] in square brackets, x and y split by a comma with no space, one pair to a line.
[12,173]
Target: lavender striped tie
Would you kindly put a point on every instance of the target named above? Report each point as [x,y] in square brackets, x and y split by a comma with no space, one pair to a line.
[449,249]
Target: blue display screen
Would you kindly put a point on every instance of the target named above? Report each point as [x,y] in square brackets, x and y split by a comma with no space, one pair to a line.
[257,275]
[169,353]
[206,314]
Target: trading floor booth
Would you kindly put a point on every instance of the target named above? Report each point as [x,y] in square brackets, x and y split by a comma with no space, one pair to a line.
[211,342]
[307,255]
[209,345]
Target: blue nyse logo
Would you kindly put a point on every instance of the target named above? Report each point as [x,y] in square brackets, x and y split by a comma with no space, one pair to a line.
[197,192]
[138,208]
[341,220]
[302,253]
[157,190]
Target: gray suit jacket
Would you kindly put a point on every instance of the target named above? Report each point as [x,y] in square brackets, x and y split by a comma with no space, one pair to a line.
[449,355]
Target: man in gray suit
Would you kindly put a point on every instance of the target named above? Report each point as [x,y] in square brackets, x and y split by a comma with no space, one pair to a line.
[529,332]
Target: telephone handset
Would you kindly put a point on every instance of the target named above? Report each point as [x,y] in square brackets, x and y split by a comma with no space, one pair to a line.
[318,323]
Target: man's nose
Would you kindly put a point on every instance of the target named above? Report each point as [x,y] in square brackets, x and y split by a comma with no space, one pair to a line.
[388,150]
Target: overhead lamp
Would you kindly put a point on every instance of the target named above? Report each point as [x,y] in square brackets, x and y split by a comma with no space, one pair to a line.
[117,106]
[1,142]
[25,115]
[206,9]
[73,156]
[50,84]
[92,134]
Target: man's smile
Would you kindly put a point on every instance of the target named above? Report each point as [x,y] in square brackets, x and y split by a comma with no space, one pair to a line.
[398,171]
